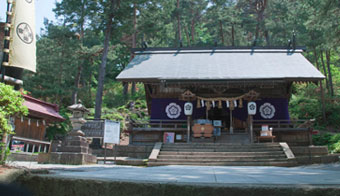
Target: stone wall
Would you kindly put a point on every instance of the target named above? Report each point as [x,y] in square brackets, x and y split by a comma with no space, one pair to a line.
[132,151]
[306,155]
[56,186]
[22,156]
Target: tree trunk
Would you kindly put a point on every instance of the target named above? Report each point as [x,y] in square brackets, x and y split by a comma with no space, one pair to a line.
[3,148]
[221,32]
[316,59]
[134,39]
[324,70]
[266,35]
[101,77]
[193,31]
[330,79]
[80,67]
[179,24]
[232,34]
[187,34]
[321,88]
[77,85]
[260,7]
[125,89]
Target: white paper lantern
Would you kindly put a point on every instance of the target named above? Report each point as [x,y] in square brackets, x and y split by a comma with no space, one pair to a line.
[188,108]
[252,108]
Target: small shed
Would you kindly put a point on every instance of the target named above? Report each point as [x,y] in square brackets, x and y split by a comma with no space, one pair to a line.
[30,130]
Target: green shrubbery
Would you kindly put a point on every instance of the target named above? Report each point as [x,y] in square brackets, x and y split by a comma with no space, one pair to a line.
[327,139]
[11,105]
[305,103]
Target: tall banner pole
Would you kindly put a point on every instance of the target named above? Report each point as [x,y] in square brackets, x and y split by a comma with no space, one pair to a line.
[5,57]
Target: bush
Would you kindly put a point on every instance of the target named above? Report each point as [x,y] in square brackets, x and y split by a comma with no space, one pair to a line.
[11,104]
[305,103]
[332,141]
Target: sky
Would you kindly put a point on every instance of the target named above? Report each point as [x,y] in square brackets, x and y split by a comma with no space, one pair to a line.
[43,9]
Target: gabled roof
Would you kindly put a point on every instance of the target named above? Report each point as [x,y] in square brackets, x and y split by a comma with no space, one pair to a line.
[41,109]
[223,64]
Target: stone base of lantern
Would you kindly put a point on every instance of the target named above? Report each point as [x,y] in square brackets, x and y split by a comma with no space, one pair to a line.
[74,150]
[67,158]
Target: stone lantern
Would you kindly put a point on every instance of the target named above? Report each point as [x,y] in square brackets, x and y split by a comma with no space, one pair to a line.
[77,119]
[75,147]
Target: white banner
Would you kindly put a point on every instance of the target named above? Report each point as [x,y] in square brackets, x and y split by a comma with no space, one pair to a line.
[22,46]
[111,132]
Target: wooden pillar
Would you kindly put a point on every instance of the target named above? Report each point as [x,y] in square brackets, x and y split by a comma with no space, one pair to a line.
[188,129]
[251,129]
[231,122]
[33,148]
[39,149]
[45,148]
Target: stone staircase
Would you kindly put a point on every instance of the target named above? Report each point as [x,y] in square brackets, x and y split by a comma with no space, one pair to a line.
[222,154]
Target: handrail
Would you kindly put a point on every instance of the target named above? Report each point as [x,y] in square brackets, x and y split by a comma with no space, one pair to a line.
[159,124]
[27,141]
[30,140]
[293,123]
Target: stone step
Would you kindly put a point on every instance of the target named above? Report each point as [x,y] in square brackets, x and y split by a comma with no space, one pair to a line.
[199,157]
[220,150]
[221,153]
[221,144]
[265,163]
[222,160]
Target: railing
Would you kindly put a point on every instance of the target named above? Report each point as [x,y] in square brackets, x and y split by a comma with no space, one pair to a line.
[287,125]
[159,125]
[32,145]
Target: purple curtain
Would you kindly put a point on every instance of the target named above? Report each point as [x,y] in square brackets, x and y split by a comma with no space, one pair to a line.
[267,109]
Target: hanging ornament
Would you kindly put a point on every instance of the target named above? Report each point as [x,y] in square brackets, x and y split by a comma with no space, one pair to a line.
[208,105]
[227,103]
[213,103]
[235,103]
[240,105]
[202,102]
[219,104]
[198,103]
[29,121]
[231,105]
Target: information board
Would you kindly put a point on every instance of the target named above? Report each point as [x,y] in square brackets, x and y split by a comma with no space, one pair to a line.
[111,132]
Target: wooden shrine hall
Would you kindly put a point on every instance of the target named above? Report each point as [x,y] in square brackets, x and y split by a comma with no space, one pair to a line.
[219,83]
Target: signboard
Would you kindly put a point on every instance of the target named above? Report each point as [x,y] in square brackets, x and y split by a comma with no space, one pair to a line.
[111,132]
[93,128]
[169,137]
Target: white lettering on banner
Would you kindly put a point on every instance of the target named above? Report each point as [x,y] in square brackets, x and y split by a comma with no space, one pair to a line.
[111,132]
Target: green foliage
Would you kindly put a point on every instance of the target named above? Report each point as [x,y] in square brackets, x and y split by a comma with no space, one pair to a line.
[59,129]
[330,140]
[11,104]
[5,154]
[130,111]
[306,103]
[322,139]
